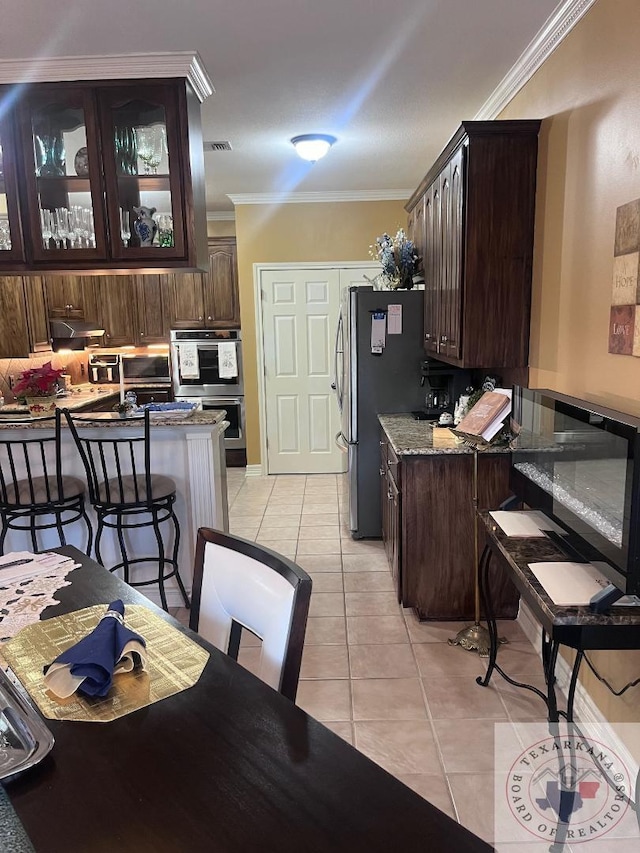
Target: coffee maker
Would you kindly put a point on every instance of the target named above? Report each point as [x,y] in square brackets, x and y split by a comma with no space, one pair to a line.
[443,385]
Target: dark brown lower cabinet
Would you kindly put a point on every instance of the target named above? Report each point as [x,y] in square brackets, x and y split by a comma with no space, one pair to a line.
[428,530]
[391,516]
[151,395]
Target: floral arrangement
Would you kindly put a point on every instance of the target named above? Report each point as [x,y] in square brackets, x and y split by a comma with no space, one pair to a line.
[398,257]
[38,382]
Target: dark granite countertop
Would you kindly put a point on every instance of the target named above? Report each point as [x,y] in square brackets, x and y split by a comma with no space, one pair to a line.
[520,551]
[410,437]
[80,396]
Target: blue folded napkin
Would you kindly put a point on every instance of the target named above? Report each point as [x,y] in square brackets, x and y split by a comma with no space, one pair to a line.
[90,665]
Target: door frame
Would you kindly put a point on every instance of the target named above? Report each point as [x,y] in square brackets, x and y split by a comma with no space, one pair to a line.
[258,269]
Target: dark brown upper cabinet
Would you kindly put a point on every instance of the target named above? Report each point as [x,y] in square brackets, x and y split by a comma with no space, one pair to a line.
[473,218]
[211,300]
[90,154]
[11,245]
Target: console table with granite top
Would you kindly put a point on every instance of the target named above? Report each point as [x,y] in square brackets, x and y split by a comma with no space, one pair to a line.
[577,628]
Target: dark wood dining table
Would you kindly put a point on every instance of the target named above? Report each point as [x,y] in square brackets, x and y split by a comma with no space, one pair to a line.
[227,765]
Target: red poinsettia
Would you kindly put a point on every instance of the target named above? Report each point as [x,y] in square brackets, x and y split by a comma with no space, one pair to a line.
[37,382]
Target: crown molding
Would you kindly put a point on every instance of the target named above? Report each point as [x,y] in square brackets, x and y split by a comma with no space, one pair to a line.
[557,27]
[303,198]
[221,216]
[47,69]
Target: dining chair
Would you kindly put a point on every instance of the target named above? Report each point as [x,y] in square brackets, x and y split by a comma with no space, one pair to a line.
[34,493]
[238,584]
[126,495]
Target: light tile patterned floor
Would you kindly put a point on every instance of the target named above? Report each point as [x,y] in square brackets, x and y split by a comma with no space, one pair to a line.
[389,685]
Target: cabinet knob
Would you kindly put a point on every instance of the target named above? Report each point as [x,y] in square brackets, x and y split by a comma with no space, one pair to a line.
[142,334]
[209,318]
[427,336]
[381,472]
[200,319]
[444,339]
[107,335]
[381,443]
[390,494]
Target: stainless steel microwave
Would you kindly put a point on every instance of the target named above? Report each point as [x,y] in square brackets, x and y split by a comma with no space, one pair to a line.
[105,368]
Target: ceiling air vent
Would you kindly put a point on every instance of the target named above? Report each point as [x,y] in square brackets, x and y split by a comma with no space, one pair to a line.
[217,146]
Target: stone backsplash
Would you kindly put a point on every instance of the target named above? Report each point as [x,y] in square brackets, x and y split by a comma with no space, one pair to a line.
[73,363]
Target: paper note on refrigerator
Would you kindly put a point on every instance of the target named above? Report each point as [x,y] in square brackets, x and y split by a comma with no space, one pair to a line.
[378,331]
[394,320]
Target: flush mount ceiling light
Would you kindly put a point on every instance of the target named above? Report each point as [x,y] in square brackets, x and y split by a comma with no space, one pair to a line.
[312,146]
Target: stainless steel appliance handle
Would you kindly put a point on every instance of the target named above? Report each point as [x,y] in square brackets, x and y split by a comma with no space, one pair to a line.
[341,442]
[336,384]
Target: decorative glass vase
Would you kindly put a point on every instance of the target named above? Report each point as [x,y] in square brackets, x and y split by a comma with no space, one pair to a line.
[41,407]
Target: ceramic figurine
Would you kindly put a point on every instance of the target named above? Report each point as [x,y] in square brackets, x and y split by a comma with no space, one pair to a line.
[145,225]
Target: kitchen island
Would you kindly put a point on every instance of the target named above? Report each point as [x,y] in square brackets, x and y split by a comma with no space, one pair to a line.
[428,513]
[190,450]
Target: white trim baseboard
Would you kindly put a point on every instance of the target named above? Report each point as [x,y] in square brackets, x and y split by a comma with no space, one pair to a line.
[586,709]
[554,30]
[254,471]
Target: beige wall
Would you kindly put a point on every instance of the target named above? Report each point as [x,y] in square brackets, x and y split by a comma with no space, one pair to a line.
[589,164]
[221,228]
[298,233]
[587,94]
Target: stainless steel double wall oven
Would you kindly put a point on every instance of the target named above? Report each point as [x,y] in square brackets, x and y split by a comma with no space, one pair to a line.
[197,362]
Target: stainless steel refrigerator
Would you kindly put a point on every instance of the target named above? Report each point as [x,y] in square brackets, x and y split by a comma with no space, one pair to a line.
[368,384]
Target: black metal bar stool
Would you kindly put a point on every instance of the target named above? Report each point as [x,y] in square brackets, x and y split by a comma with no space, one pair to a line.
[34,493]
[126,495]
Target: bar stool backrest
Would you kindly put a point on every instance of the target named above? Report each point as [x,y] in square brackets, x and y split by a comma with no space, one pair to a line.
[30,468]
[118,468]
[239,584]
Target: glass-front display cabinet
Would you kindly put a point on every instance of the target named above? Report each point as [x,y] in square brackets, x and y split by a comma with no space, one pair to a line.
[143,172]
[110,175]
[63,176]
[11,246]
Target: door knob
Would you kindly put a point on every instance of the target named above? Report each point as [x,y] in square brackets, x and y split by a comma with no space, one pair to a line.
[333,386]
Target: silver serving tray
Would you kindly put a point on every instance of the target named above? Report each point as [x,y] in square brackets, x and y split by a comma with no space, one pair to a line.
[24,738]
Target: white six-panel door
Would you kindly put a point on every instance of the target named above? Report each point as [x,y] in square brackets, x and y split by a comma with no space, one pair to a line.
[299,313]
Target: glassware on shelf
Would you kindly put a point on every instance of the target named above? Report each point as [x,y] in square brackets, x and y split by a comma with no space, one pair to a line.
[5,235]
[145,146]
[165,230]
[126,151]
[46,227]
[159,148]
[76,228]
[50,155]
[125,227]
[151,143]
[60,227]
[88,228]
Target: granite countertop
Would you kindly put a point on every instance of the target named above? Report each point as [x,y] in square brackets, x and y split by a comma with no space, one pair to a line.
[520,551]
[81,396]
[410,437]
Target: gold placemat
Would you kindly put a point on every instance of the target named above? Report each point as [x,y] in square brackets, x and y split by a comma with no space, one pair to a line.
[174,663]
